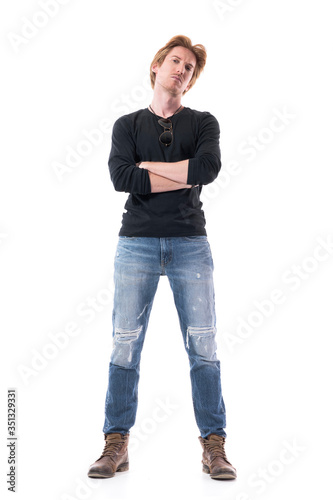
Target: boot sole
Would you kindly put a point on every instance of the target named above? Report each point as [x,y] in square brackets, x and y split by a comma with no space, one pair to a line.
[219,475]
[100,475]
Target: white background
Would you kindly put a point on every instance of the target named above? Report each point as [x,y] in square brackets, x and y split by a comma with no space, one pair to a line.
[88,62]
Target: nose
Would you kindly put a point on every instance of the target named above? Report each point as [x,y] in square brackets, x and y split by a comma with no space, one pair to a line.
[181,68]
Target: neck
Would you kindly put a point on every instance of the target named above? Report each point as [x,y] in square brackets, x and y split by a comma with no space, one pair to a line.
[165,105]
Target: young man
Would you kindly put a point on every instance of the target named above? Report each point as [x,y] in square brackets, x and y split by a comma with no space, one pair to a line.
[162,155]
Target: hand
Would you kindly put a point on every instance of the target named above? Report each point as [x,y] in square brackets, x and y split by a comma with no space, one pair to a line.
[142,164]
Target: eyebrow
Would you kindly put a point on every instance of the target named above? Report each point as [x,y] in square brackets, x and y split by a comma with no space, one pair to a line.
[189,64]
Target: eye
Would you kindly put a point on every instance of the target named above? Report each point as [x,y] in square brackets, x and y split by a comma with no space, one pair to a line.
[175,60]
[189,68]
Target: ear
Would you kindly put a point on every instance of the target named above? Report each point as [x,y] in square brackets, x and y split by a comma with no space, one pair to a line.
[155,68]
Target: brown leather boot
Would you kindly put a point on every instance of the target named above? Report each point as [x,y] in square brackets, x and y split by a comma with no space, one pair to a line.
[114,457]
[214,459]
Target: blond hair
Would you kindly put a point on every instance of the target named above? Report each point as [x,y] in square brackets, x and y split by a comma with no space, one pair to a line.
[198,50]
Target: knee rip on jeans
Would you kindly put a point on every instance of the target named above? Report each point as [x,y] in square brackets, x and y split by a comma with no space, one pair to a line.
[203,341]
[123,345]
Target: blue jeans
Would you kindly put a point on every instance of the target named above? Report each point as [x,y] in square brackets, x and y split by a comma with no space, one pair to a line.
[188,264]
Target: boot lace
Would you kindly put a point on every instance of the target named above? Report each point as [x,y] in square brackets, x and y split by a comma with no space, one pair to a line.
[217,450]
[111,449]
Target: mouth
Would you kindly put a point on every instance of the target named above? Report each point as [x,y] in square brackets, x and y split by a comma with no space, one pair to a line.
[175,77]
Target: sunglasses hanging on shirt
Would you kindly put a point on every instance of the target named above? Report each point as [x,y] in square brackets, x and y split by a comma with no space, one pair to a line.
[166,137]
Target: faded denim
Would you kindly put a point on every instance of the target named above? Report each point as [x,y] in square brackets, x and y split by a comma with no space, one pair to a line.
[188,264]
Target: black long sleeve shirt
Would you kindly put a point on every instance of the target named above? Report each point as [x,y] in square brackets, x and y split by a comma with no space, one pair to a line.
[135,138]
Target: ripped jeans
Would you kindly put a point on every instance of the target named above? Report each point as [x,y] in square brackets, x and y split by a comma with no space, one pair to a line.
[188,264]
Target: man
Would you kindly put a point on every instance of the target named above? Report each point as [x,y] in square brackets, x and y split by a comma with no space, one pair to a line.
[162,155]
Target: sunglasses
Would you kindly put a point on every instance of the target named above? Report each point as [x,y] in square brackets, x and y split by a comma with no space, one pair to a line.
[166,137]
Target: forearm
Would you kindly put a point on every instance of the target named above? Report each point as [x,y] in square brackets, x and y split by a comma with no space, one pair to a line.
[175,171]
[161,184]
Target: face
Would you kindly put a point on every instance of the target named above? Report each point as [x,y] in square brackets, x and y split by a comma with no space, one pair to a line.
[176,71]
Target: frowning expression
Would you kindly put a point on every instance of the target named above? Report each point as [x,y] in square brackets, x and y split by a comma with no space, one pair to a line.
[176,71]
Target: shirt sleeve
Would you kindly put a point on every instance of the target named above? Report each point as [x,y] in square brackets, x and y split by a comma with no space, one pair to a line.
[125,175]
[204,167]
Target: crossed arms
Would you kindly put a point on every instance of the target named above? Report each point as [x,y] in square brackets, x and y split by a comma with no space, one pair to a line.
[131,175]
[166,176]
